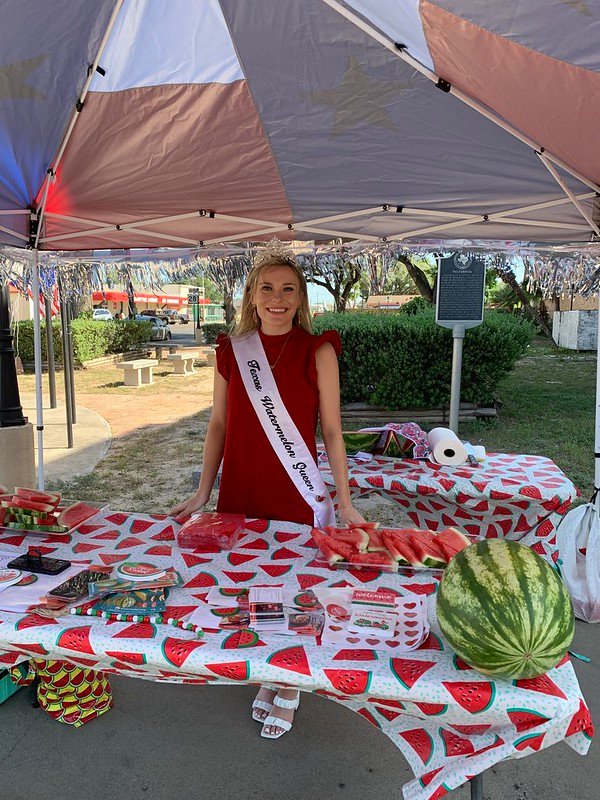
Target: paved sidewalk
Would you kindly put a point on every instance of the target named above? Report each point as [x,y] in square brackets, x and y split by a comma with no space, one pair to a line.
[92,438]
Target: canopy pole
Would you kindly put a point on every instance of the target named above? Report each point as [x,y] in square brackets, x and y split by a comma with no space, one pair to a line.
[50,352]
[37,348]
[66,371]
[458,337]
[569,193]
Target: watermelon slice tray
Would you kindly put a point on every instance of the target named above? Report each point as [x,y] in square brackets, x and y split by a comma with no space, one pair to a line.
[82,512]
[403,550]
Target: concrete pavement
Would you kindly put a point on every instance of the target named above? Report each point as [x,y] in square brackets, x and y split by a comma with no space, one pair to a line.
[91,439]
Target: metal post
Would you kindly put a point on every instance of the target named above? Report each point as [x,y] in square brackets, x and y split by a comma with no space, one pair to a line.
[37,348]
[71,360]
[458,335]
[66,371]
[50,352]
[11,411]
[477,787]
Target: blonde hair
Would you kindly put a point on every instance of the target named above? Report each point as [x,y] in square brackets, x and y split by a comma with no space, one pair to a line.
[274,254]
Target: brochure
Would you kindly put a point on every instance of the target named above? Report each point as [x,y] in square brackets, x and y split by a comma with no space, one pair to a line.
[142,602]
[101,588]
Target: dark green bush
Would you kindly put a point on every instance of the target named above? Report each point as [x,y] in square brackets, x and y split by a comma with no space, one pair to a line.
[210,331]
[415,306]
[130,334]
[91,338]
[23,341]
[405,360]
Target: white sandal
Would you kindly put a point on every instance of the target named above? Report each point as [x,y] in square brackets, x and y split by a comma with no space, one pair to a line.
[263,705]
[278,722]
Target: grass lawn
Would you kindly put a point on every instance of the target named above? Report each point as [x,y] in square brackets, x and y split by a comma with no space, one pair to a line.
[548,409]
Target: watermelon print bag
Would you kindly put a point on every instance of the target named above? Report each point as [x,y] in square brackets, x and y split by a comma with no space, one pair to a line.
[394,440]
[578,543]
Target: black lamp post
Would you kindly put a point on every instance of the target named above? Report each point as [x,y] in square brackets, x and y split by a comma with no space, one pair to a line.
[11,411]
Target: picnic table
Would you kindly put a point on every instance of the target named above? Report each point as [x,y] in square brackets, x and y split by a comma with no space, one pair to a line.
[519,497]
[450,722]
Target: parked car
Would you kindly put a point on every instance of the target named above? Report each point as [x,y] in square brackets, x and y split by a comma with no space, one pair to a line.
[184,317]
[160,331]
[102,314]
[169,315]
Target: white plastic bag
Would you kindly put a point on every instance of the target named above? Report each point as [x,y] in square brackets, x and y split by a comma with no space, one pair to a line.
[578,543]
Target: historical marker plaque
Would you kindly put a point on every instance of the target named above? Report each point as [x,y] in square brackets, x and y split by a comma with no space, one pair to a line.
[460,291]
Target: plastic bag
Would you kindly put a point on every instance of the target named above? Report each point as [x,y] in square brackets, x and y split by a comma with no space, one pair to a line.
[578,543]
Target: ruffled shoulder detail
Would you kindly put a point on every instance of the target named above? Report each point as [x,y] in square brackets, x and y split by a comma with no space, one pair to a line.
[224,355]
[332,337]
[329,337]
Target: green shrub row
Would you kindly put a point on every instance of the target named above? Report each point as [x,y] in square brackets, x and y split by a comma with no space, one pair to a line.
[401,360]
[91,338]
[210,330]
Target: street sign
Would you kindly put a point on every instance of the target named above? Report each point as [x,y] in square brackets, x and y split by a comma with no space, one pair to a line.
[460,295]
[192,298]
[460,291]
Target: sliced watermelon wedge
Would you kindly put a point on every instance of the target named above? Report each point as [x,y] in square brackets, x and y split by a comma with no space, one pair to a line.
[376,544]
[400,548]
[355,537]
[330,555]
[30,505]
[377,560]
[76,514]
[426,549]
[38,497]
[342,548]
[453,538]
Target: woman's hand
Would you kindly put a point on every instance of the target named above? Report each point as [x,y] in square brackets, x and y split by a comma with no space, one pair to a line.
[188,507]
[348,515]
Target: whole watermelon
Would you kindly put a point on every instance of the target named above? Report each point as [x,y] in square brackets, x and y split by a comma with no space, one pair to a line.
[504,610]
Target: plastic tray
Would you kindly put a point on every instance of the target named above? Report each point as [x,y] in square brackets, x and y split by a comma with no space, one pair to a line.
[210,530]
[93,510]
[370,562]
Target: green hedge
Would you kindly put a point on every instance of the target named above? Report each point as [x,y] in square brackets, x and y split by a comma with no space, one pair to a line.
[210,331]
[91,338]
[405,360]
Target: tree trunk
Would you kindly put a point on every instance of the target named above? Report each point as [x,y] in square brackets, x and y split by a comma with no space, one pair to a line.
[229,308]
[510,279]
[419,278]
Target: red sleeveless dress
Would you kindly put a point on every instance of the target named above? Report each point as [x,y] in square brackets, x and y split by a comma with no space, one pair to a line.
[253,480]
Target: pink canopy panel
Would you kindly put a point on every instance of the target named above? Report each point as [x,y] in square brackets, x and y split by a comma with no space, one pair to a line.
[140,123]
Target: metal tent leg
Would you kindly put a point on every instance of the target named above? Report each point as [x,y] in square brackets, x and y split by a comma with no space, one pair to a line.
[477,787]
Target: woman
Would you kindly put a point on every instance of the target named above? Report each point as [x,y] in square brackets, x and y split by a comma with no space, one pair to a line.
[250,438]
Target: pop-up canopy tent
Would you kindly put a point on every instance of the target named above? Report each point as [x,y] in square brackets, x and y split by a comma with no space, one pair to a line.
[140,123]
[147,124]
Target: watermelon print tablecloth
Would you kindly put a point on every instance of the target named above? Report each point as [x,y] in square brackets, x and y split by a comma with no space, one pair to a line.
[449,721]
[513,496]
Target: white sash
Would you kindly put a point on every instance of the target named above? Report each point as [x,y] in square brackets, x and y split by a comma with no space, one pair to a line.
[282,433]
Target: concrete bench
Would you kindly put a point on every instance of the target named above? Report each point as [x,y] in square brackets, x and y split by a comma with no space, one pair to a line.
[183,363]
[211,358]
[158,348]
[137,372]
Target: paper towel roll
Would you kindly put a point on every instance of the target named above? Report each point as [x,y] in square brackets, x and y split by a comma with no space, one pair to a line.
[446,447]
